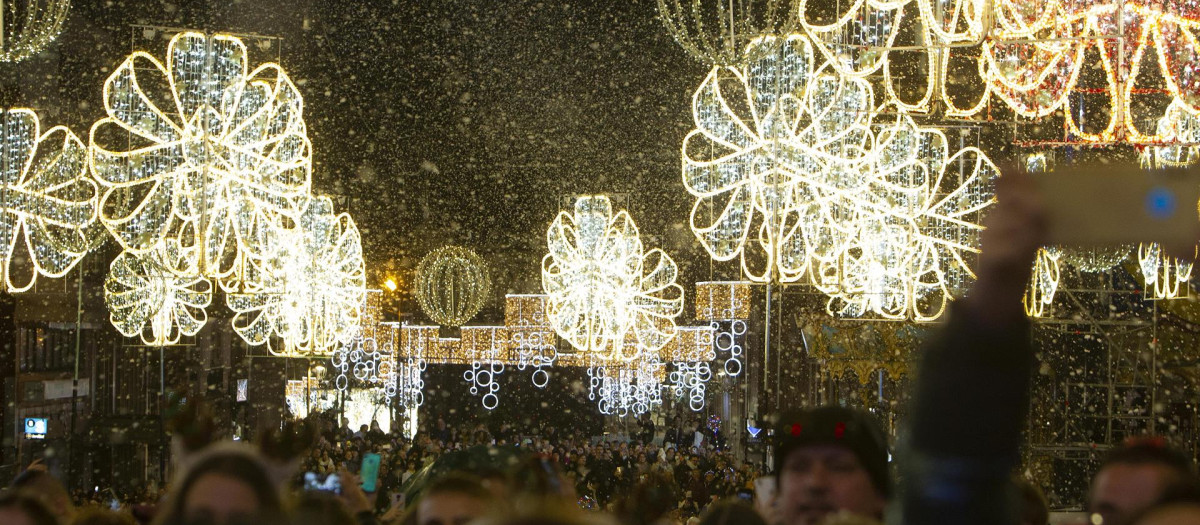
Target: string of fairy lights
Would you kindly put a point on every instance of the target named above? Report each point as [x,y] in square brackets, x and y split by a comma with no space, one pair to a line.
[812,160]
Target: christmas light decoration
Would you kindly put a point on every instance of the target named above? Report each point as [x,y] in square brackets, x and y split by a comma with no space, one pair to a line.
[603,286]
[716,31]
[878,215]
[47,203]
[452,285]
[28,26]
[630,388]
[154,297]
[530,335]
[212,158]
[690,380]
[1035,55]
[728,344]
[690,354]
[486,345]
[722,300]
[309,290]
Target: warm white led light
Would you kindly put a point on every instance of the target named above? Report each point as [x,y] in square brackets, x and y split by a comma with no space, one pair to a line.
[309,290]
[604,287]
[152,295]
[201,151]
[797,175]
[47,202]
[28,26]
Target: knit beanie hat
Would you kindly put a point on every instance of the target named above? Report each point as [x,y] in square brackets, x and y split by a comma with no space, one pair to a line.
[833,425]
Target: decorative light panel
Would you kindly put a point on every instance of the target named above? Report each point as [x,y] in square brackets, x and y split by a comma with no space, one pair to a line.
[603,286]
[309,290]
[153,297]
[452,285]
[690,380]
[212,159]
[47,202]
[531,338]
[717,300]
[795,176]
[28,26]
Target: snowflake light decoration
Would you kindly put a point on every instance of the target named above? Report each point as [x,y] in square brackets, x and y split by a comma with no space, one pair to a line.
[604,286]
[47,203]
[794,176]
[148,296]
[212,159]
[309,290]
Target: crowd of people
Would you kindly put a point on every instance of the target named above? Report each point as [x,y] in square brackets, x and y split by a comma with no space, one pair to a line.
[597,467]
[830,465]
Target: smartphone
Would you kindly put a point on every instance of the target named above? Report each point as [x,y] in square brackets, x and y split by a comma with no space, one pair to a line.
[369,471]
[1120,204]
[316,482]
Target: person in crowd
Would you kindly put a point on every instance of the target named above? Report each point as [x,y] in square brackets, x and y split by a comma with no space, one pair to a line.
[454,499]
[1171,514]
[96,516]
[320,508]
[36,481]
[731,512]
[828,460]
[225,487]
[1034,509]
[19,508]
[1135,476]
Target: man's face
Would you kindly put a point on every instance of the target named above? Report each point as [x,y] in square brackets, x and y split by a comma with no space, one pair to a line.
[1122,490]
[449,508]
[822,479]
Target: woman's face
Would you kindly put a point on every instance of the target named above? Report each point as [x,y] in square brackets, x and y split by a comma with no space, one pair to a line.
[220,497]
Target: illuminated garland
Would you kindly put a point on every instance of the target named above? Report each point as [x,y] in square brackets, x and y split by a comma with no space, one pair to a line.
[47,203]
[28,26]
[879,216]
[604,287]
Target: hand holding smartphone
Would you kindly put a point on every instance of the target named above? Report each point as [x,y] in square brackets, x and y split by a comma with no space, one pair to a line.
[1122,204]
[369,472]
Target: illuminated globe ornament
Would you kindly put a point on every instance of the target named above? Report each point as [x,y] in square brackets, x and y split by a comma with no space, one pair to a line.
[309,291]
[604,287]
[452,285]
[795,176]
[28,26]
[716,31]
[202,151]
[154,297]
[47,202]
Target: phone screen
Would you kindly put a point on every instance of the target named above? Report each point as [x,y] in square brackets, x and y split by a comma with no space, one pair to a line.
[316,482]
[369,471]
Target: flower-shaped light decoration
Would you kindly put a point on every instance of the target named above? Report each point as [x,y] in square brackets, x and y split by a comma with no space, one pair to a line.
[1038,50]
[149,295]
[716,31]
[28,26]
[202,151]
[603,286]
[860,40]
[309,290]
[47,202]
[794,176]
